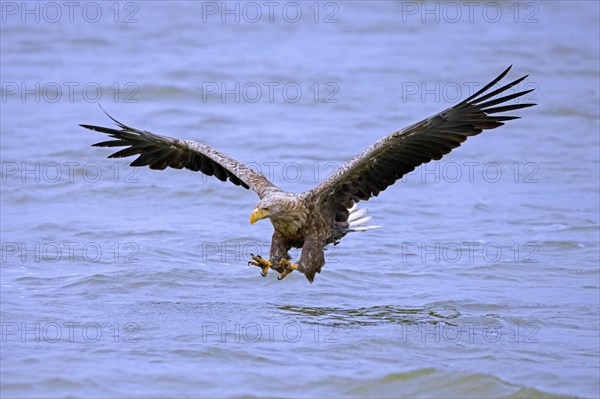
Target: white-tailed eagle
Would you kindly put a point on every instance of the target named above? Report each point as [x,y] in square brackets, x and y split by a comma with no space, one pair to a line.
[325,214]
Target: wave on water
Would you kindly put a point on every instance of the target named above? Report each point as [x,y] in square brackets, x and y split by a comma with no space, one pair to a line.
[432,382]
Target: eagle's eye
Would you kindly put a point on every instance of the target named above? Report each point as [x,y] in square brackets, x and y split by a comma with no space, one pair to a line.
[266,208]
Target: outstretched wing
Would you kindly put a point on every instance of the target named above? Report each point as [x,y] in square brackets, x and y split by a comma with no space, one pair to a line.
[158,152]
[390,158]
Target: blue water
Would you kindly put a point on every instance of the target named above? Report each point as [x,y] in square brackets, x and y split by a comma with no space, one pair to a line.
[119,282]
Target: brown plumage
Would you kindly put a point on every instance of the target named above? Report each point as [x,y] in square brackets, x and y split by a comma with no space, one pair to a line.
[326,213]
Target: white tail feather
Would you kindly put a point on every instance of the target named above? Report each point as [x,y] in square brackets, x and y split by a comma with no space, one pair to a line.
[358,222]
[355,214]
[363,228]
[356,219]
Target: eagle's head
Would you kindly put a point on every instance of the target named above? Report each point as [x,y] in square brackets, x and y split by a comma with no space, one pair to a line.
[276,207]
[268,207]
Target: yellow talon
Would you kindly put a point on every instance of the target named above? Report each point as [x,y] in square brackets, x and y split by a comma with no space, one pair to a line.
[288,268]
[260,262]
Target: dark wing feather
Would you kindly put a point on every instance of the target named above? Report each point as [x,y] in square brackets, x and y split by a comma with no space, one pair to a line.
[399,153]
[160,152]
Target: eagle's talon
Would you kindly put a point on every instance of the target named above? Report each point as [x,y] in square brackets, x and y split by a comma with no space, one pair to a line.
[288,268]
[264,264]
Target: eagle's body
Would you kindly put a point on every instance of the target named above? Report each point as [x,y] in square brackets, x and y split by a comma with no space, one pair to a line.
[325,214]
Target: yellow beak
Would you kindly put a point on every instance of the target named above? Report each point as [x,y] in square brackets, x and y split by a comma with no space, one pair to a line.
[258,214]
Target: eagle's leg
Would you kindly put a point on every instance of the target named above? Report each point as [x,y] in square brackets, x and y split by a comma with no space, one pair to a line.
[287,268]
[264,264]
[280,248]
